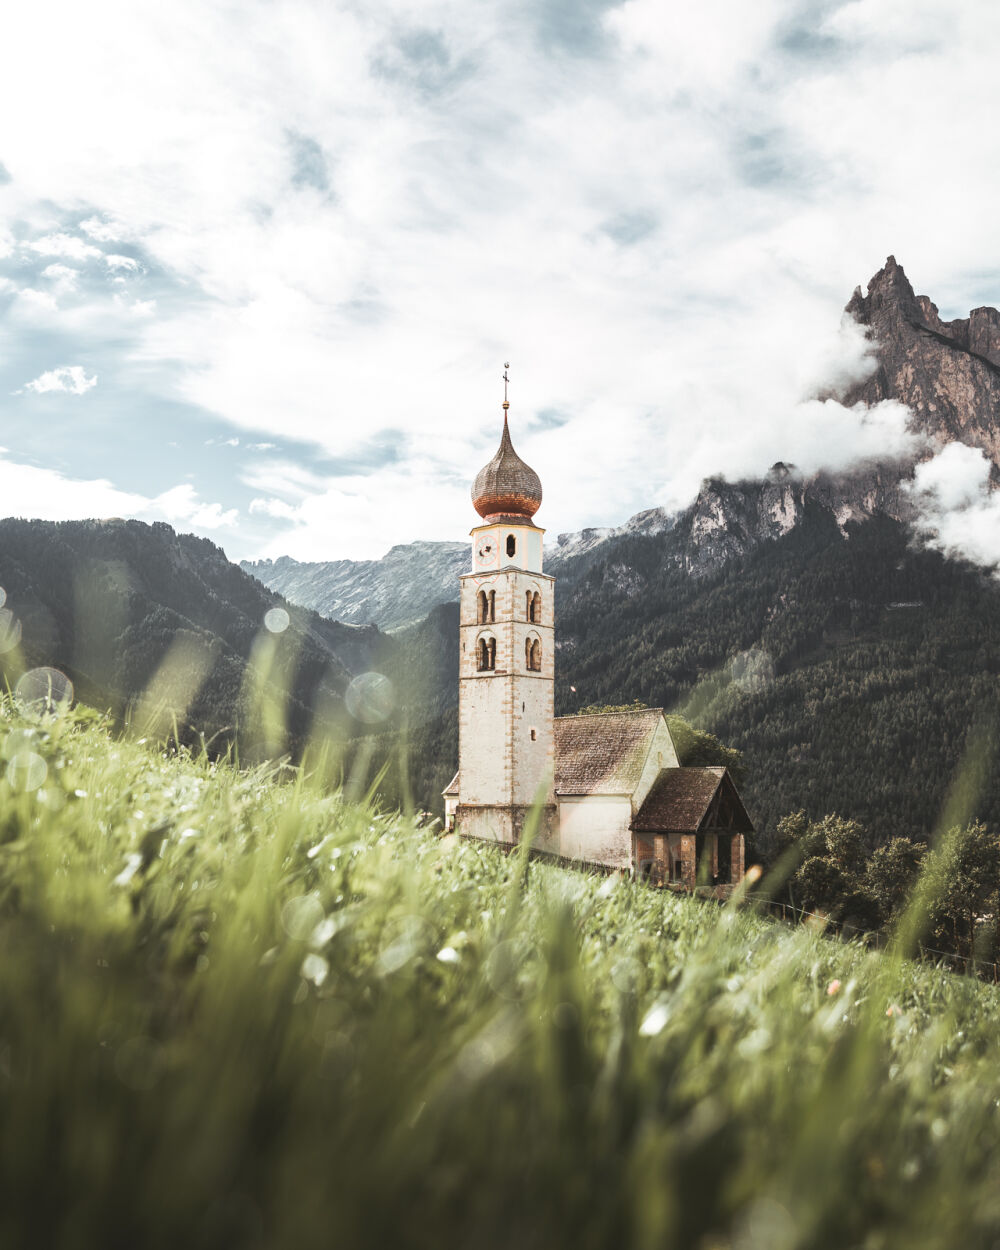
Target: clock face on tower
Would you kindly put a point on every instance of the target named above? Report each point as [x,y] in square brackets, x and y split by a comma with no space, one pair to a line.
[487,551]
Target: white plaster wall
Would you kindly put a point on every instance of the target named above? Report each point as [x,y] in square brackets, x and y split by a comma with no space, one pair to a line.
[595,827]
[484,755]
[661,755]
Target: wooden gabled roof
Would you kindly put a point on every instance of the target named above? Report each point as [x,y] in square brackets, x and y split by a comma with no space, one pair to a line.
[692,800]
[603,754]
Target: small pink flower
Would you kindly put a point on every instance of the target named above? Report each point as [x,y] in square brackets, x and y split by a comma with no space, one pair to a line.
[892,1010]
[833,987]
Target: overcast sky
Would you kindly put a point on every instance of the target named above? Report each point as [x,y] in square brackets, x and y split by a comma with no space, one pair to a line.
[261,264]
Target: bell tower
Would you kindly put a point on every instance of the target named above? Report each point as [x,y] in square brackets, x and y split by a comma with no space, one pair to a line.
[506,740]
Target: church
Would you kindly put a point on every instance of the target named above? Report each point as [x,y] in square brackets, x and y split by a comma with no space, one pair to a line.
[604,789]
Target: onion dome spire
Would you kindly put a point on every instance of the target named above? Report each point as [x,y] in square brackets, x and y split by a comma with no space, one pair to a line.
[506,487]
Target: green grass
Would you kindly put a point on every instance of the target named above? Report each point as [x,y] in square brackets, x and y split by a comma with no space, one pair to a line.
[235,1011]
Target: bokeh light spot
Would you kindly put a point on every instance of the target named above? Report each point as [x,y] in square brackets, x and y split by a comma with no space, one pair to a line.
[19,740]
[44,689]
[26,772]
[752,671]
[301,915]
[276,620]
[370,698]
[10,630]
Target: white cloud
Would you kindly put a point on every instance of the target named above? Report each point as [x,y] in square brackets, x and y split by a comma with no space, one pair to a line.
[660,237]
[121,262]
[70,378]
[64,278]
[181,505]
[103,231]
[35,492]
[957,511]
[67,245]
[274,508]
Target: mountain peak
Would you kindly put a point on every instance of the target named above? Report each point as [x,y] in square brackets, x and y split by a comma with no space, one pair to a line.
[946,372]
[888,291]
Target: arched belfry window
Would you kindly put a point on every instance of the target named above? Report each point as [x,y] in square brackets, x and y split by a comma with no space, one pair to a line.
[511,544]
[487,654]
[533,655]
[533,611]
[487,607]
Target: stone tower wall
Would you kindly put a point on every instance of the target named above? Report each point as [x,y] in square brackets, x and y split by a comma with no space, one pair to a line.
[506,732]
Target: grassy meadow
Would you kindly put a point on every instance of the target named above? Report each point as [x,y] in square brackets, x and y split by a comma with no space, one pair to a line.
[236,1010]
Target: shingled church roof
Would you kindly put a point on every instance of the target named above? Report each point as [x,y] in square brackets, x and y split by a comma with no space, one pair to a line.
[682,799]
[603,754]
[599,754]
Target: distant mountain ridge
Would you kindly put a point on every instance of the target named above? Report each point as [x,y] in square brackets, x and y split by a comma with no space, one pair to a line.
[399,590]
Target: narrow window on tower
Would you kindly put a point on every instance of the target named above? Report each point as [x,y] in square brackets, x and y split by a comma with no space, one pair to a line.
[483,608]
[511,544]
[533,654]
[534,735]
[527,605]
[493,605]
[534,607]
[487,654]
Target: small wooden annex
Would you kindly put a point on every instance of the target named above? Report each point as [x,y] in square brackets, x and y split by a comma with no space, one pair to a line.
[691,827]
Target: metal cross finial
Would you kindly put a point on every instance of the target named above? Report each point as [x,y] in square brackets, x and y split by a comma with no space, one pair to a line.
[506,366]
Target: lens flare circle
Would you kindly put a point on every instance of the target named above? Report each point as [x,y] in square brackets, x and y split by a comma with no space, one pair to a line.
[370,698]
[44,689]
[26,772]
[10,629]
[276,620]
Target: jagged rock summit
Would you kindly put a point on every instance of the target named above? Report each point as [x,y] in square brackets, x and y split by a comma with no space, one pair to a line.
[946,372]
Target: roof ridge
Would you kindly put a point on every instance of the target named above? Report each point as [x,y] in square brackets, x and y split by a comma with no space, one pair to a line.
[628,711]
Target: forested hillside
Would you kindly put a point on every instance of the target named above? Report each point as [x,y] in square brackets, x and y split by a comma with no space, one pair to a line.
[129,610]
[849,672]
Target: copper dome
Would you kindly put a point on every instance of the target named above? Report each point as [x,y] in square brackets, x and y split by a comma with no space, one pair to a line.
[506,486]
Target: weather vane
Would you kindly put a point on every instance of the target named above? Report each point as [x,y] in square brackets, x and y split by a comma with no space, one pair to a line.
[506,366]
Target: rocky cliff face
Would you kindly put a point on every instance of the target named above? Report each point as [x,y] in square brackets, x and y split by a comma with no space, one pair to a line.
[947,372]
[397,591]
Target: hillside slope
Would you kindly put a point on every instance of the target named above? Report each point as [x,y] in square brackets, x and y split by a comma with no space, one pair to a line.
[108,602]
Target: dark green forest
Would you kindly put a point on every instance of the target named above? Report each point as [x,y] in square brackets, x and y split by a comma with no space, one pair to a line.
[136,614]
[849,673]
